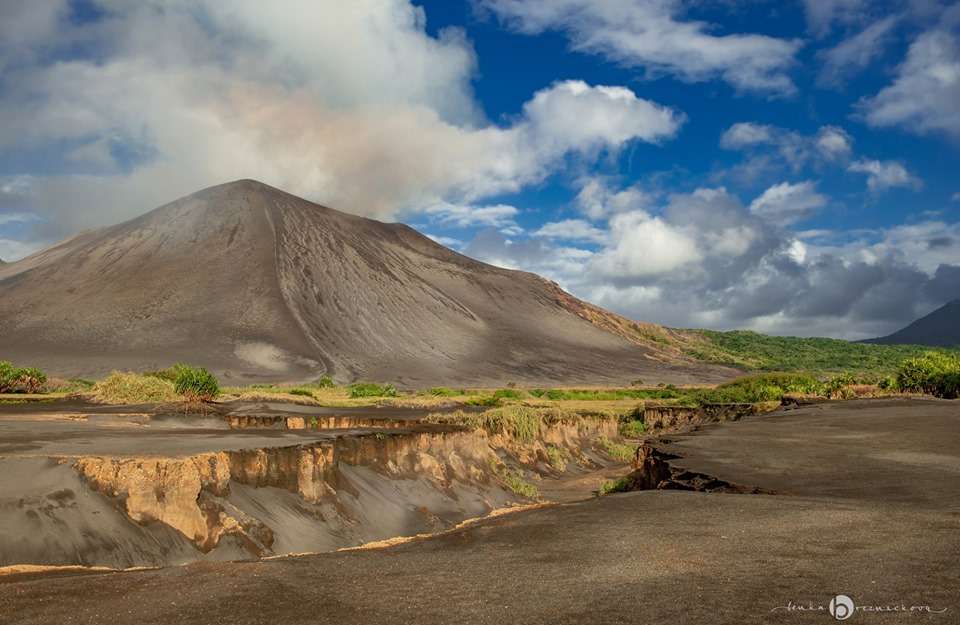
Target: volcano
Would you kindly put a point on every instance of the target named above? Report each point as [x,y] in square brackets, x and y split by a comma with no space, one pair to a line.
[941,328]
[257,284]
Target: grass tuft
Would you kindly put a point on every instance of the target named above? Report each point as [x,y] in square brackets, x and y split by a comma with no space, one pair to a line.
[618,451]
[370,389]
[557,457]
[614,486]
[132,388]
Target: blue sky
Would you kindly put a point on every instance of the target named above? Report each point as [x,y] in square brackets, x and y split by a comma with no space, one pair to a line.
[785,167]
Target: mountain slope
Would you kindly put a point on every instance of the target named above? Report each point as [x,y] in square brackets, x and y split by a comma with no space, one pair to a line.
[255,283]
[940,328]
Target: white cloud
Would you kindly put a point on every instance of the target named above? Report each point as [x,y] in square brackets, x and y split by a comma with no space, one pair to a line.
[307,99]
[923,97]
[745,134]
[786,203]
[597,201]
[883,175]
[834,142]
[644,245]
[572,230]
[955,197]
[500,216]
[854,54]
[649,35]
[830,142]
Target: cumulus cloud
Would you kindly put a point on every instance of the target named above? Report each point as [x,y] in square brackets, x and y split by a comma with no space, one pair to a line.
[181,95]
[786,203]
[769,148]
[746,134]
[923,97]
[705,259]
[644,245]
[649,35]
[597,200]
[882,175]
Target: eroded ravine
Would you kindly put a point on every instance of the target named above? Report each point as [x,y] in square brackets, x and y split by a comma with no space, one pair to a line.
[308,484]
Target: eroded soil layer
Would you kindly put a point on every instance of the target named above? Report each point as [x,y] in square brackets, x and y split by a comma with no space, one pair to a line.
[125,489]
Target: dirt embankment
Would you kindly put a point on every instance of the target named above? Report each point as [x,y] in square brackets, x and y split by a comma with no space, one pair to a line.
[124,511]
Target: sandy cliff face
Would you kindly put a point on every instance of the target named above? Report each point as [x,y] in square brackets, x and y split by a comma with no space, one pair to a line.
[322,496]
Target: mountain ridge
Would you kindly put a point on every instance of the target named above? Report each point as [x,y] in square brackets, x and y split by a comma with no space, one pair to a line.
[940,328]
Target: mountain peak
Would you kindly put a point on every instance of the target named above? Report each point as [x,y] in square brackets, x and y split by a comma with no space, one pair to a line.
[254,283]
[940,328]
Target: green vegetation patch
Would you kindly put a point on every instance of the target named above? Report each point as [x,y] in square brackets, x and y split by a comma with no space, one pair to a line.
[196,383]
[752,350]
[370,389]
[619,451]
[633,428]
[936,373]
[760,388]
[515,482]
[557,394]
[557,457]
[614,486]
[20,379]
[519,422]
[323,382]
[443,391]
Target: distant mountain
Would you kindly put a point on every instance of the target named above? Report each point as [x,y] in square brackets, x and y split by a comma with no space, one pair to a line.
[940,328]
[254,283]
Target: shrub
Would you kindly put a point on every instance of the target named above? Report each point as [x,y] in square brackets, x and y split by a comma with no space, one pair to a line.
[634,428]
[947,384]
[619,451]
[169,374]
[305,392]
[324,382]
[196,383]
[762,388]
[933,372]
[20,379]
[517,421]
[515,482]
[132,388]
[889,383]
[483,400]
[507,393]
[369,389]
[614,486]
[443,391]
